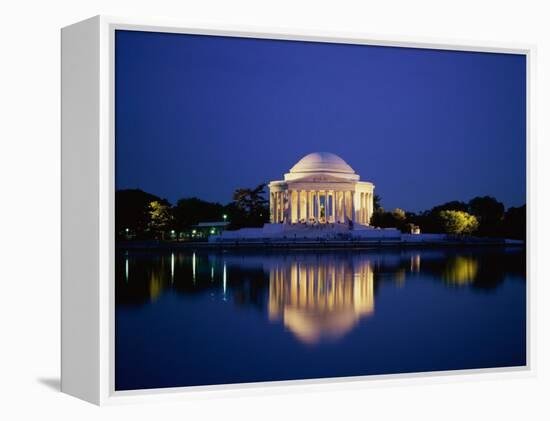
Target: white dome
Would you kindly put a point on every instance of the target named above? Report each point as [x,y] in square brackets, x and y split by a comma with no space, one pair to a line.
[317,162]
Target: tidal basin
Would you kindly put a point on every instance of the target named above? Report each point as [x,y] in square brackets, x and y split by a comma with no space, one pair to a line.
[201,317]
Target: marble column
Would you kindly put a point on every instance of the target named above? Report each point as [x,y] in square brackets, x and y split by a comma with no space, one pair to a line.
[360,208]
[298,207]
[289,207]
[278,212]
[365,195]
[281,207]
[327,209]
[270,207]
[277,207]
[333,211]
[275,219]
[366,208]
[338,206]
[353,206]
[307,206]
[363,207]
[344,210]
[318,199]
[311,206]
[334,206]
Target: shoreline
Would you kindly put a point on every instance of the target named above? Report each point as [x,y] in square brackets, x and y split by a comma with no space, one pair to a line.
[314,244]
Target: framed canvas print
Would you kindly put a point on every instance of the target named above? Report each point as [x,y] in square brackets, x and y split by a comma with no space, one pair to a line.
[245,208]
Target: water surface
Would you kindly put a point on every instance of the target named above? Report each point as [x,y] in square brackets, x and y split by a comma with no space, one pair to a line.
[201,317]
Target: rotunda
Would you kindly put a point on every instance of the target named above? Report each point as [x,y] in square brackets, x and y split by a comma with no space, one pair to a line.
[321,189]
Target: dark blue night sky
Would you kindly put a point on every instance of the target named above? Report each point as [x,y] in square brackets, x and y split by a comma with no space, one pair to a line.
[201,116]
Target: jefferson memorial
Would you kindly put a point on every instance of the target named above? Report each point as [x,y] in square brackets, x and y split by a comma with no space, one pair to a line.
[321,189]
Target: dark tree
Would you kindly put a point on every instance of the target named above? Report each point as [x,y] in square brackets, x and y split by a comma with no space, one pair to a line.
[489,212]
[380,218]
[249,207]
[376,202]
[454,205]
[132,212]
[394,219]
[515,223]
[191,211]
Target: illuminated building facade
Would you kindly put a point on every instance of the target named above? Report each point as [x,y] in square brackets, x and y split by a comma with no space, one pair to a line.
[321,188]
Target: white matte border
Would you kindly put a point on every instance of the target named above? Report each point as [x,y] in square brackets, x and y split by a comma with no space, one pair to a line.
[108,25]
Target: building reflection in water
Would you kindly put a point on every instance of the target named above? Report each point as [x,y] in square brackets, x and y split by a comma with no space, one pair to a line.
[318,300]
[315,295]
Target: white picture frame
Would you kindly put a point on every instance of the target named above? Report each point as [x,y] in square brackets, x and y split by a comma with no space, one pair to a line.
[88,209]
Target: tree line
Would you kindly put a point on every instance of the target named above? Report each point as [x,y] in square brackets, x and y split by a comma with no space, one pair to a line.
[482,216]
[143,215]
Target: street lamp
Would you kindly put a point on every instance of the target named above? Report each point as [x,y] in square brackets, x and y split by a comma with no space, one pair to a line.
[224,217]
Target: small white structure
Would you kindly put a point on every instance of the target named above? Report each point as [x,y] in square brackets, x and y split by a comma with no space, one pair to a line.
[321,188]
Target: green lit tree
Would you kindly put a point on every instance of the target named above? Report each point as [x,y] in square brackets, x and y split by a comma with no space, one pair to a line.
[457,222]
[132,212]
[399,215]
[160,217]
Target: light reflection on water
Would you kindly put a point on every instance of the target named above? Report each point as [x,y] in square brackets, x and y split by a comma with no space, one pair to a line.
[320,299]
[229,301]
